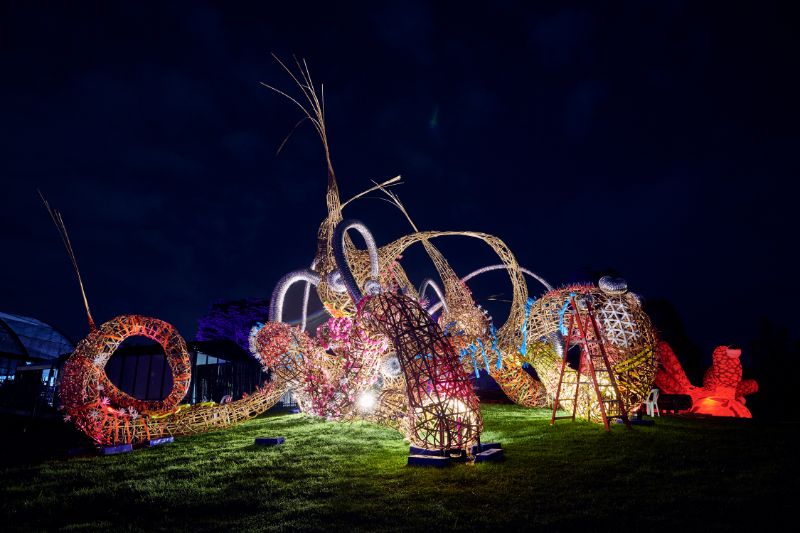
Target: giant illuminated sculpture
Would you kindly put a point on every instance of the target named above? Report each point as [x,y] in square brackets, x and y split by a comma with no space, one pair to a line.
[533,332]
[387,353]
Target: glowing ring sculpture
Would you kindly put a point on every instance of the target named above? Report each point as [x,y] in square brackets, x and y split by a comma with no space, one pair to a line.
[88,362]
[109,416]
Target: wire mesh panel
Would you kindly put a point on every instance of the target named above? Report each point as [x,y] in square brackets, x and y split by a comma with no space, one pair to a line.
[443,408]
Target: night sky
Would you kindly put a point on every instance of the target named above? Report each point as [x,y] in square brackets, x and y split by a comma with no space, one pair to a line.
[656,140]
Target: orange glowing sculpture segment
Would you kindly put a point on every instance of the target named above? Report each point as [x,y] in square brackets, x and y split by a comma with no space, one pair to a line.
[723,391]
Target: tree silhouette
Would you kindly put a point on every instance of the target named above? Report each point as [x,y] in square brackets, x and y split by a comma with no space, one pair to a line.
[773,354]
[670,328]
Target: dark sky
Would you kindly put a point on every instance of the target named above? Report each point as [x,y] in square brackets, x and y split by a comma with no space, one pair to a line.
[655,139]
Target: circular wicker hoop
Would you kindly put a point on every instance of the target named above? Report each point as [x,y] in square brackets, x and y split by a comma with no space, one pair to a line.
[86,366]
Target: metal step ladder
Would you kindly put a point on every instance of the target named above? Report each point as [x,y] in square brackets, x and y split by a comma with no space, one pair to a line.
[584,331]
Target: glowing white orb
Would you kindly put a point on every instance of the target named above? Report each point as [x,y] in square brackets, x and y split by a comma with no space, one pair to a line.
[367,401]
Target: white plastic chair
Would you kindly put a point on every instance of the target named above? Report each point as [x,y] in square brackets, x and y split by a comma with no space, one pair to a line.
[652,403]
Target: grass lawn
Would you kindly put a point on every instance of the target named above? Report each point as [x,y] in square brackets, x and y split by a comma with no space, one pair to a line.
[681,474]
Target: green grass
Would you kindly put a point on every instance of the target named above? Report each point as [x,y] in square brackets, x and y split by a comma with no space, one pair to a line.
[681,474]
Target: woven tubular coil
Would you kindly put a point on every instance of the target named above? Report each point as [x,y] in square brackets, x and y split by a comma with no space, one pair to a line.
[522,388]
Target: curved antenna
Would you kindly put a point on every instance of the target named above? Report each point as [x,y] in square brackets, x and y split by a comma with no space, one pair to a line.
[279,293]
[342,266]
[394,181]
[428,282]
[58,220]
[480,271]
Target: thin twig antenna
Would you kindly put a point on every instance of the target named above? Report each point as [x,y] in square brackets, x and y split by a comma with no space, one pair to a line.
[58,220]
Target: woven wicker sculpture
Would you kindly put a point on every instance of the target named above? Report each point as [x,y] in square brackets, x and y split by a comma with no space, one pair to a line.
[85,381]
[384,355]
[531,334]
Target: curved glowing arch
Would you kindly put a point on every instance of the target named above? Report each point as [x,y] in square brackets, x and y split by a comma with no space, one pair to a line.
[306,296]
[490,268]
[428,282]
[279,293]
[524,270]
[516,317]
[342,266]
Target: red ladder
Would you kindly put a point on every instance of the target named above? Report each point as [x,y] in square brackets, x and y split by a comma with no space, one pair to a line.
[592,350]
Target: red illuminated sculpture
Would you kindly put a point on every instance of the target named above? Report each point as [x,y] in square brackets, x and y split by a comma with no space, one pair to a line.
[723,391]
